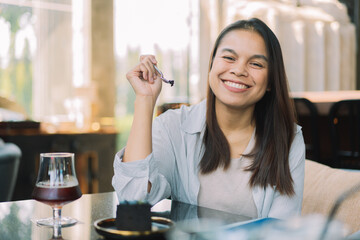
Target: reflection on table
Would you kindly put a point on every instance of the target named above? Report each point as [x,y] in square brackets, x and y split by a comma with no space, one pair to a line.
[17,218]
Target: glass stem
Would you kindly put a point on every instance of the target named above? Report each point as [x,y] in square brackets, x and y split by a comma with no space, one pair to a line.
[57,232]
[57,216]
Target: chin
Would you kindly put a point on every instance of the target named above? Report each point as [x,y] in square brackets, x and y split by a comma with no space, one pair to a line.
[232,104]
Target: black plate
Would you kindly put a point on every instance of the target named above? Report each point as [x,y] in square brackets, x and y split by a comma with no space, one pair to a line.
[106,227]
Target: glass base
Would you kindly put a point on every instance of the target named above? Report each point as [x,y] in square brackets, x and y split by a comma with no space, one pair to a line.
[63,222]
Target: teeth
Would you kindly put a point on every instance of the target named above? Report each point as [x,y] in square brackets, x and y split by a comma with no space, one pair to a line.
[236,85]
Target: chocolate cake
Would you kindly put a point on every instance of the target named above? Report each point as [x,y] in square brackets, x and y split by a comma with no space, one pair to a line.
[133,216]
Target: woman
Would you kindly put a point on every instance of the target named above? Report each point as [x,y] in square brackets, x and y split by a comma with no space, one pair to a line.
[238,151]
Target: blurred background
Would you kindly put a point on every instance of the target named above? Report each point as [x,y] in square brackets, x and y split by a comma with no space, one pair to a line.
[63,62]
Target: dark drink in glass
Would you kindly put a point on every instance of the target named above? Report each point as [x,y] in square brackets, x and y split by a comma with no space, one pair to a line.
[56,185]
[56,196]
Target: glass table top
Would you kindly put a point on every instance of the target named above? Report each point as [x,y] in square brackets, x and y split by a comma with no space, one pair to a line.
[17,219]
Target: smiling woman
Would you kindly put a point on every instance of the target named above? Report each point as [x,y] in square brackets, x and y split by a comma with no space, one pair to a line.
[238,151]
[239,66]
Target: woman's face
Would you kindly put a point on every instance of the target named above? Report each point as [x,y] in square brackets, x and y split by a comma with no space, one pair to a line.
[239,73]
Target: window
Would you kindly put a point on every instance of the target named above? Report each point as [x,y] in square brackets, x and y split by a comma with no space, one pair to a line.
[44,58]
[17,49]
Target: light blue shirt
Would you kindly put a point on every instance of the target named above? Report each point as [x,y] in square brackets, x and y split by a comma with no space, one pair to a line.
[173,166]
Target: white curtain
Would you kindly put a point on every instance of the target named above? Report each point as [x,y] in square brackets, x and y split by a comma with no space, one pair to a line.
[317,38]
[61,79]
[53,61]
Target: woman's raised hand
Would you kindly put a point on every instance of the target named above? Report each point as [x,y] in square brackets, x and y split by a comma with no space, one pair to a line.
[144,78]
[147,86]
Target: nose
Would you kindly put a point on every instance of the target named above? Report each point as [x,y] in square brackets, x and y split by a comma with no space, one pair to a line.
[239,70]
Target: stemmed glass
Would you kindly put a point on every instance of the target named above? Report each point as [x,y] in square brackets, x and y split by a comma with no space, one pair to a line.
[56,233]
[56,185]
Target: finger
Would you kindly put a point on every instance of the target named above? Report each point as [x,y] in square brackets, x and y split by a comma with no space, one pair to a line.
[142,57]
[144,71]
[156,73]
[151,72]
[150,61]
[135,72]
[153,59]
[148,57]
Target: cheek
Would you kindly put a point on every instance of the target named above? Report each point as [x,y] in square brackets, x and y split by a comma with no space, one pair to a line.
[215,71]
[211,80]
[262,79]
[212,76]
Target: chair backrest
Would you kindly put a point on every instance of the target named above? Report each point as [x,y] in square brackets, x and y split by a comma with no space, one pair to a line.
[307,117]
[323,185]
[344,119]
[166,106]
[9,165]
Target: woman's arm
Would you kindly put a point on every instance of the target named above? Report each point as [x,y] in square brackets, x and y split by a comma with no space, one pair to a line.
[132,179]
[147,87]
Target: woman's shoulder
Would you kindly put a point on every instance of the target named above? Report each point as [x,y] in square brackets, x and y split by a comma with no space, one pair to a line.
[298,129]
[298,139]
[297,150]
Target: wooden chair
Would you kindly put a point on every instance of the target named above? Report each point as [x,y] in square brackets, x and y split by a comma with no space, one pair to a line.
[166,106]
[307,117]
[344,120]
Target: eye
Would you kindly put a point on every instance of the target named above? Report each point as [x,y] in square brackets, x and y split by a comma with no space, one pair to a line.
[257,64]
[229,58]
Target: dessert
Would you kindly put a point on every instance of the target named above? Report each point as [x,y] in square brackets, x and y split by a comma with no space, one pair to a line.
[133,216]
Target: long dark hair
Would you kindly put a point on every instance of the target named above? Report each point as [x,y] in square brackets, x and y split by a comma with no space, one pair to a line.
[274,117]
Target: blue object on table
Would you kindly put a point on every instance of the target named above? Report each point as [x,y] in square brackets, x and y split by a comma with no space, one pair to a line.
[251,224]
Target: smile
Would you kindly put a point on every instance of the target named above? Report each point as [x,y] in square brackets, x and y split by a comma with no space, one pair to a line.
[236,85]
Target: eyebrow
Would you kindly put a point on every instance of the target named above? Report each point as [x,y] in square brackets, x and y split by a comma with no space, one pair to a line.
[252,57]
[260,56]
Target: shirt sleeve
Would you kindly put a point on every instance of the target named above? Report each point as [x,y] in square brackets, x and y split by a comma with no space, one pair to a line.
[130,179]
[285,206]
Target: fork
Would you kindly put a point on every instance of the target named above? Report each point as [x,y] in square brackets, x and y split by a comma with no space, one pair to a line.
[171,82]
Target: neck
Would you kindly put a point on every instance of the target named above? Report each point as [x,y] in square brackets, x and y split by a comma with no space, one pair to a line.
[234,119]
[237,125]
